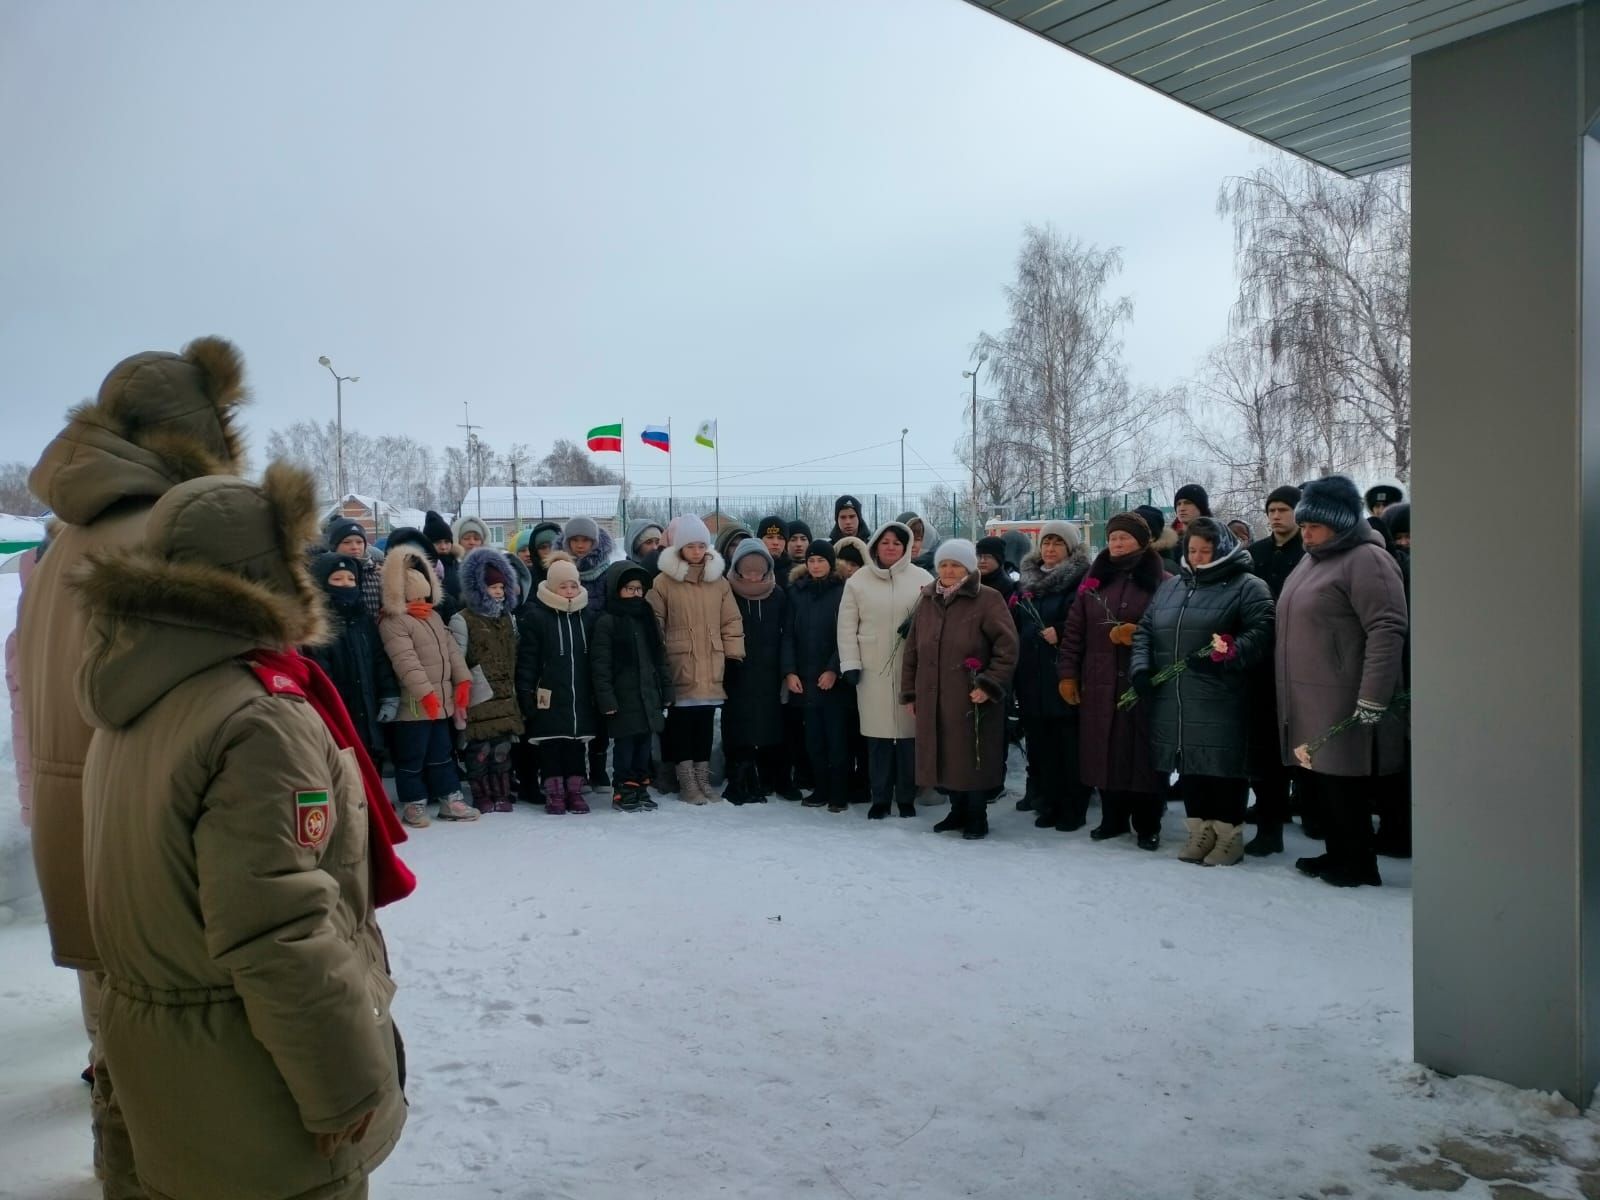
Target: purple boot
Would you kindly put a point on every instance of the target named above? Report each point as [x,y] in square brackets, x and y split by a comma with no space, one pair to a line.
[555,802]
[575,801]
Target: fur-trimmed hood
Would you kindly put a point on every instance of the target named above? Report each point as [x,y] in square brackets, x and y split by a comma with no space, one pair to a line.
[475,592]
[221,574]
[1032,577]
[159,419]
[798,575]
[402,561]
[673,566]
[1166,542]
[592,565]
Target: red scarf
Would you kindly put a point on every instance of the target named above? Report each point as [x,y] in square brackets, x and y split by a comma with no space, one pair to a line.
[287,672]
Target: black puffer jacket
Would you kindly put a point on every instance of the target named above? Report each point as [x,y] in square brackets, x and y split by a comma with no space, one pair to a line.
[1049,594]
[1199,723]
[811,637]
[753,715]
[629,660]
[554,636]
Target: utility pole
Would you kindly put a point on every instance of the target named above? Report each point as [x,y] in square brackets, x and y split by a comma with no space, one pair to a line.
[338,398]
[903,433]
[973,451]
[474,461]
[516,514]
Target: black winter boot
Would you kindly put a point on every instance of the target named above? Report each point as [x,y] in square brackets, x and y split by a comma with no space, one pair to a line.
[734,792]
[977,826]
[956,818]
[1268,840]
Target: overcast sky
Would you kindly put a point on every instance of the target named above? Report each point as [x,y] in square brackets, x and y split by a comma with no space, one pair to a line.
[793,217]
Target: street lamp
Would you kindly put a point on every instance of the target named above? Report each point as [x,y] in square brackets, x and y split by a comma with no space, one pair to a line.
[338,394]
[903,433]
[973,375]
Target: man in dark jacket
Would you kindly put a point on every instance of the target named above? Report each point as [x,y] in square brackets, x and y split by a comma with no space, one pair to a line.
[849,520]
[1274,557]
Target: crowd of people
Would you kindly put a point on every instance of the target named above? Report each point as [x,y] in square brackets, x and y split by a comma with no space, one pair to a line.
[209,689]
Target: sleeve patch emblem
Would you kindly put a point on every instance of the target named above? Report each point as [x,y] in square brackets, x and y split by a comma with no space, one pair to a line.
[310,818]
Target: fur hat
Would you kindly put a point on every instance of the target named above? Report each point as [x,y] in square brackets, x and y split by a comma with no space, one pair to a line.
[844,502]
[1334,502]
[821,548]
[770,526]
[749,548]
[1383,493]
[1065,530]
[435,528]
[339,528]
[797,526]
[958,550]
[994,547]
[1195,495]
[468,525]
[692,529]
[1154,518]
[850,550]
[1398,518]
[560,571]
[1133,524]
[1287,494]
[585,527]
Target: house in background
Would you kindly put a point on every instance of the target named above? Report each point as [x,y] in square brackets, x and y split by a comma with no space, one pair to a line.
[378,517]
[505,510]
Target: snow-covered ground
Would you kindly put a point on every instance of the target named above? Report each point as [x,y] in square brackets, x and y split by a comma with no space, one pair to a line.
[772,1001]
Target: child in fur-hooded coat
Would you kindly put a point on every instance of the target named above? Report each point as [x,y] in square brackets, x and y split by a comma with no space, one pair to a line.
[486,631]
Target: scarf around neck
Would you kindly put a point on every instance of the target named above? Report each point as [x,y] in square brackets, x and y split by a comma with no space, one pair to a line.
[758,589]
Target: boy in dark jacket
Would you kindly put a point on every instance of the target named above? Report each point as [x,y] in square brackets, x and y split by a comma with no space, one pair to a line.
[632,684]
[355,660]
[811,674]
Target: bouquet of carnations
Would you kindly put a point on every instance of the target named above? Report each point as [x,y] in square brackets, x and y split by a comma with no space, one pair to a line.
[1220,649]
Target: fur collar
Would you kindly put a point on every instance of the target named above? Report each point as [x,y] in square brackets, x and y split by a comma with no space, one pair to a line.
[561,604]
[673,566]
[1166,542]
[1065,578]
[800,577]
[1147,574]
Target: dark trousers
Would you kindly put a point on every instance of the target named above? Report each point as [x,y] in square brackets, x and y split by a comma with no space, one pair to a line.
[795,747]
[1213,798]
[525,762]
[1059,791]
[630,759]
[1394,812]
[562,757]
[1142,809]
[424,761]
[1344,805]
[598,745]
[827,739]
[687,737]
[893,767]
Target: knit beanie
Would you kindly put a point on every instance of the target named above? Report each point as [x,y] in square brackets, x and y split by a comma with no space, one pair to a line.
[844,502]
[324,565]
[545,537]
[799,526]
[561,570]
[468,525]
[580,527]
[958,550]
[342,527]
[994,547]
[1195,495]
[1334,502]
[436,529]
[729,536]
[768,526]
[691,529]
[521,541]
[821,548]
[1065,530]
[1287,494]
[1155,520]
[1397,517]
[1132,524]
[493,572]
[1383,493]
[744,550]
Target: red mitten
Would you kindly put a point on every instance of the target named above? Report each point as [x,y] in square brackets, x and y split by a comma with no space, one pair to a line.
[432,706]
[463,695]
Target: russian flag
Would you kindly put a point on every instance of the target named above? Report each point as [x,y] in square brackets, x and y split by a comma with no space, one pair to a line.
[657,436]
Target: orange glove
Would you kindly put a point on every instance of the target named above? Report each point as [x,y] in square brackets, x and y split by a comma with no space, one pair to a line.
[1122,635]
[1069,692]
[432,706]
[463,695]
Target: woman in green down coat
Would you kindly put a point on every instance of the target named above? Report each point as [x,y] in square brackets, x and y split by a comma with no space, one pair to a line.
[1199,722]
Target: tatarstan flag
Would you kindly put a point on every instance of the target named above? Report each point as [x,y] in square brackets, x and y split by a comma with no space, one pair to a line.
[606,437]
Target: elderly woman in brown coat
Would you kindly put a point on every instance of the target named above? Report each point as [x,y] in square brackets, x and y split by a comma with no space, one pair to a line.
[1340,651]
[959,659]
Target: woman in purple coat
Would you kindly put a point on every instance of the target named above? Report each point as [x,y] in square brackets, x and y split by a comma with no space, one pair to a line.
[1093,668]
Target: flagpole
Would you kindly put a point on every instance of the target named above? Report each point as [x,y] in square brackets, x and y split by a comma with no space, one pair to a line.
[716,454]
[670,448]
[623,442]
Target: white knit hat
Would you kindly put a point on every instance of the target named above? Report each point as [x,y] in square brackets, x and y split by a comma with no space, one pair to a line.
[957,550]
[1061,529]
[691,529]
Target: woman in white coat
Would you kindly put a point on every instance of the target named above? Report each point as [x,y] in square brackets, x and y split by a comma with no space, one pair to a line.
[874,617]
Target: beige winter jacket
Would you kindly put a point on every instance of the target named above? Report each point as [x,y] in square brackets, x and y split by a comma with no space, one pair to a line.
[426,659]
[158,420]
[246,1003]
[877,601]
[700,625]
